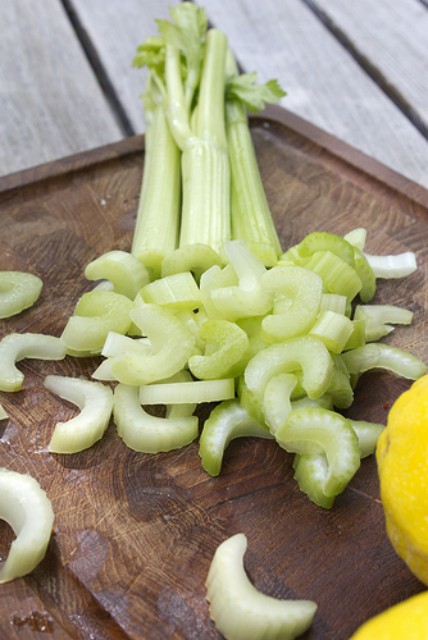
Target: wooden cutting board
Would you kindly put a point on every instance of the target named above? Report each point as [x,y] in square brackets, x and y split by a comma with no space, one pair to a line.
[134,534]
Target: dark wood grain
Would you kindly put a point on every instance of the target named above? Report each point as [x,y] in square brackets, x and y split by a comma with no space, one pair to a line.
[134,534]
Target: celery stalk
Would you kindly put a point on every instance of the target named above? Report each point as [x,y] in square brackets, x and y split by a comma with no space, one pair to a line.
[250,212]
[157,224]
[205,163]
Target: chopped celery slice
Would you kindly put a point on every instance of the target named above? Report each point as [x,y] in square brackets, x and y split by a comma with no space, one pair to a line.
[340,388]
[95,402]
[17,346]
[212,279]
[190,392]
[253,329]
[176,292]
[251,402]
[393,266]
[226,422]
[171,345]
[297,296]
[117,343]
[333,302]
[378,319]
[25,506]
[358,335]
[367,434]
[305,353]
[248,298]
[277,400]
[96,313]
[337,275]
[225,346]
[366,275]
[310,429]
[357,237]
[320,241]
[122,269]
[383,356]
[333,329]
[239,610]
[147,433]
[196,258]
[310,473]
[19,290]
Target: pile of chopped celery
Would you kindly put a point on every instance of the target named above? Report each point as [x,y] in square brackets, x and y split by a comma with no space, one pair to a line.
[206,307]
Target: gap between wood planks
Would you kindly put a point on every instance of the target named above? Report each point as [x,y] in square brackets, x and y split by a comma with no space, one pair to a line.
[99,70]
[369,67]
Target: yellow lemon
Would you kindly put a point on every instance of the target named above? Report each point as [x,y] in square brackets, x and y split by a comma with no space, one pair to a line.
[402,458]
[407,620]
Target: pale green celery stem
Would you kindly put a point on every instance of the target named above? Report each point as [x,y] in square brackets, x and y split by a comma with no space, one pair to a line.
[157,225]
[205,162]
[250,213]
[178,111]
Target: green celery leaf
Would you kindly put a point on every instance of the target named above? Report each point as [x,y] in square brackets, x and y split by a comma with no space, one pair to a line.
[254,96]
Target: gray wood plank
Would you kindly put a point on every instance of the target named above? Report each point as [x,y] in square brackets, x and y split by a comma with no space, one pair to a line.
[284,39]
[51,102]
[115,29]
[392,38]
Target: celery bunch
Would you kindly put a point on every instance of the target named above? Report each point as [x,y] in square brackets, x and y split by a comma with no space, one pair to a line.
[201,183]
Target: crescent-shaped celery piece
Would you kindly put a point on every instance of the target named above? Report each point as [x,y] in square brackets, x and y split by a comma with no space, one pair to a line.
[18,346]
[310,473]
[146,433]
[277,400]
[96,313]
[171,345]
[122,269]
[215,278]
[196,258]
[367,434]
[383,356]
[319,241]
[3,413]
[249,297]
[242,612]
[25,506]
[18,291]
[311,470]
[379,318]
[393,266]
[306,354]
[225,346]
[313,430]
[227,421]
[95,402]
[297,296]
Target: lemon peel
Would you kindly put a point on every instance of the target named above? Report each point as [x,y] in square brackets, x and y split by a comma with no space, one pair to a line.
[408,619]
[402,454]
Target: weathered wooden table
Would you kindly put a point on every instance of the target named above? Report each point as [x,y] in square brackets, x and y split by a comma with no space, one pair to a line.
[134,534]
